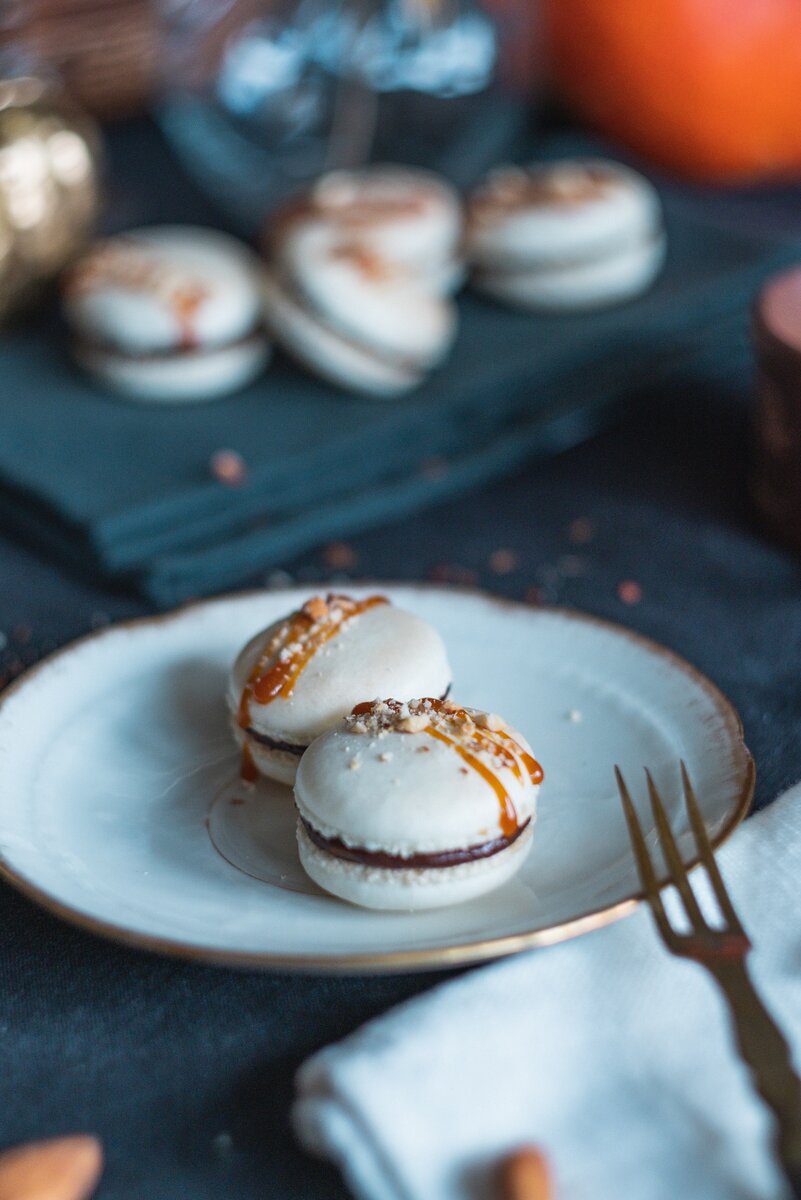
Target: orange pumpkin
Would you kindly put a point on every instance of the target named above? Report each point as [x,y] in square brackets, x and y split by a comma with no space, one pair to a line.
[708,88]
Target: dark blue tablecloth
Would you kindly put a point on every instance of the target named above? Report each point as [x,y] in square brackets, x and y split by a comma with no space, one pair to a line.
[185,1071]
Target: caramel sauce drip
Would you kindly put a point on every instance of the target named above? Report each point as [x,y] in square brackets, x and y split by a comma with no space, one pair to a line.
[502,747]
[508,811]
[535,771]
[128,264]
[369,264]
[185,305]
[275,674]
[248,771]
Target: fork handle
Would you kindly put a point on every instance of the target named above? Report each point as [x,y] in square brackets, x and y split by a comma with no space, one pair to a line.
[765,1051]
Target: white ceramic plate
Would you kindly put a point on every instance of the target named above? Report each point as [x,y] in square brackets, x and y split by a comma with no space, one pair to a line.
[121,811]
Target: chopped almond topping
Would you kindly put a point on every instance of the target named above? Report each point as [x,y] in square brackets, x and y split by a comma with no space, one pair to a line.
[391,716]
[316,608]
[488,721]
[413,724]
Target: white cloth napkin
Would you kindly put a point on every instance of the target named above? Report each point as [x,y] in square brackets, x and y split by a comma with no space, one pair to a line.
[611,1055]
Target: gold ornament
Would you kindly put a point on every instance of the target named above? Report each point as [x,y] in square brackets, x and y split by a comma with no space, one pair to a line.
[49,185]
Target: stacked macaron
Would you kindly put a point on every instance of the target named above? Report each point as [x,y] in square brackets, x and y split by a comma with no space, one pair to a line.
[302,674]
[168,313]
[402,803]
[361,271]
[565,236]
[419,805]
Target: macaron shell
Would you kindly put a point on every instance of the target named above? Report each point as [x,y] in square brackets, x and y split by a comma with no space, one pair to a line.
[178,378]
[548,233]
[415,889]
[578,287]
[404,793]
[386,310]
[330,355]
[315,237]
[141,320]
[384,651]
[431,229]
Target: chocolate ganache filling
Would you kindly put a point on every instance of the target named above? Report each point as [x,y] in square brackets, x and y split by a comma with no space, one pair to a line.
[276,743]
[398,862]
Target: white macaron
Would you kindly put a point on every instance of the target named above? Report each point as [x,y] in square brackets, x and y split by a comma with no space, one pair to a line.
[401,215]
[416,805]
[361,323]
[565,236]
[170,313]
[579,286]
[362,268]
[327,354]
[304,673]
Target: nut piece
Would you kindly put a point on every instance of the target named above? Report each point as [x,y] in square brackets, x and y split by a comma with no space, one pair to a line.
[66,1168]
[524,1175]
[489,721]
[316,608]
[415,723]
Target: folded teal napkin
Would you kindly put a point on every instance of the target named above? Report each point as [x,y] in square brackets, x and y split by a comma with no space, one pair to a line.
[126,491]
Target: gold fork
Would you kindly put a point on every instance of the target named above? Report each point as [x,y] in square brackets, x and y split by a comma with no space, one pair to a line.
[722,949]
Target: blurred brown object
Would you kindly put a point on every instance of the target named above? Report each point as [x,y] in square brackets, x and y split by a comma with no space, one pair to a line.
[105,51]
[524,1175]
[49,185]
[66,1168]
[776,481]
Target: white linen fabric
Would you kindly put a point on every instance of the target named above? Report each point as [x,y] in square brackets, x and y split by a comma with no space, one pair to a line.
[615,1058]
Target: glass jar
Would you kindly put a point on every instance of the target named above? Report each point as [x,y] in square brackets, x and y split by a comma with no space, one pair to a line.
[261,96]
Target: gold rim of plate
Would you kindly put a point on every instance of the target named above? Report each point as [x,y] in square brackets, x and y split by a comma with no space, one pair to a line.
[478,950]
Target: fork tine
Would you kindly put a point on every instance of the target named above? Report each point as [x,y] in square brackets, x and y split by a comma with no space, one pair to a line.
[676,868]
[645,867]
[706,854]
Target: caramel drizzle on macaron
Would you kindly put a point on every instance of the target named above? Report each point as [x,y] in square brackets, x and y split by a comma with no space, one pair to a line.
[367,262]
[567,185]
[350,213]
[295,644]
[135,266]
[474,741]
[248,771]
[185,304]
